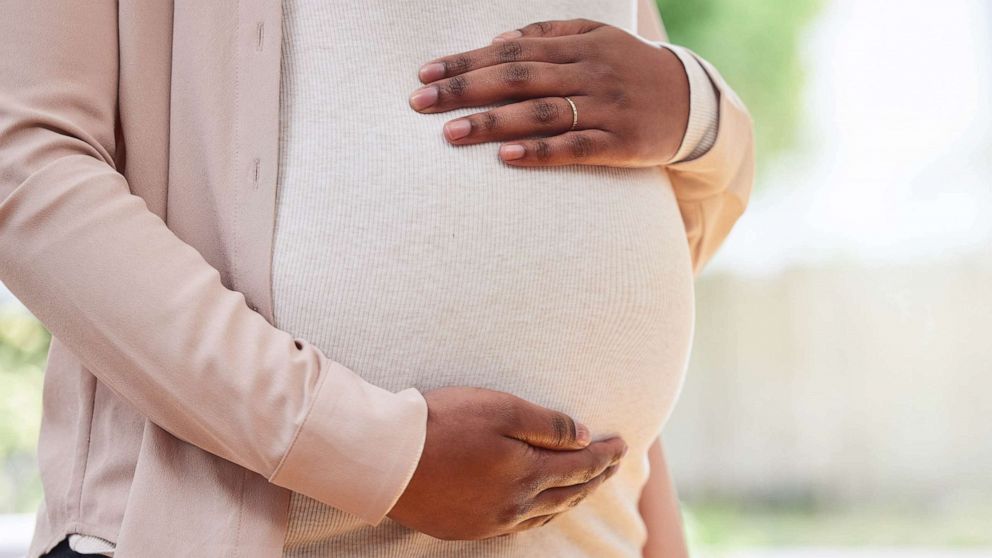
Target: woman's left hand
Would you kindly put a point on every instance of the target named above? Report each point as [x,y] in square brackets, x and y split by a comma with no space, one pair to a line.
[631,96]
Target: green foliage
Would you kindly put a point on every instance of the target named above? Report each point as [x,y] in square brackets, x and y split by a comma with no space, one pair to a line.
[23,349]
[754,44]
[727,525]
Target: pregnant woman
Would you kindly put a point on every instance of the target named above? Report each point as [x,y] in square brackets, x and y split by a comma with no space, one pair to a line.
[360,279]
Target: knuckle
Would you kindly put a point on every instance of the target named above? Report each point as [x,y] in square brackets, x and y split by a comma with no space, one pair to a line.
[458,65]
[456,86]
[546,112]
[561,429]
[509,51]
[489,121]
[580,146]
[515,74]
[542,150]
[572,430]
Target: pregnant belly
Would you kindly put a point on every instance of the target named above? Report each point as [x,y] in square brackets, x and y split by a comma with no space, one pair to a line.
[570,287]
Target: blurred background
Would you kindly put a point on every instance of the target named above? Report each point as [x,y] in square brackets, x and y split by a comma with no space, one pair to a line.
[839,399]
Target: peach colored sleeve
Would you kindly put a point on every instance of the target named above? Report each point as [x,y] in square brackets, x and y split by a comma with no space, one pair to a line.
[144,311]
[659,508]
[713,189]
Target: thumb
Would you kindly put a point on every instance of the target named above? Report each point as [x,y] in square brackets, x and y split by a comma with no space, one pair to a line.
[556,28]
[547,428]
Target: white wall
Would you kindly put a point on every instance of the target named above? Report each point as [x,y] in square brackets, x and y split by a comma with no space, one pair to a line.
[845,383]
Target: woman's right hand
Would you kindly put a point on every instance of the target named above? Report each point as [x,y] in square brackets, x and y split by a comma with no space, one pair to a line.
[494,464]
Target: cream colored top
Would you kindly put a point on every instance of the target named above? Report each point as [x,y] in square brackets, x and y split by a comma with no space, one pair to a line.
[301,49]
[415,263]
[170,399]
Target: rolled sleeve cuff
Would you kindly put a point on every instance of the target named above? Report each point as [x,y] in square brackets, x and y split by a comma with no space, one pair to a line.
[729,163]
[713,189]
[358,446]
[704,115]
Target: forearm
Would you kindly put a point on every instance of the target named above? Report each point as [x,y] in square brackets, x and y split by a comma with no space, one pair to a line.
[659,507]
[143,311]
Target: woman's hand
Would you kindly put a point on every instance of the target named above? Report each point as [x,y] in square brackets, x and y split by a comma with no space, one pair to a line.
[494,464]
[631,96]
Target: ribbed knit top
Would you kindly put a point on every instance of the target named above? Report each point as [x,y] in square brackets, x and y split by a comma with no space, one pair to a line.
[417,263]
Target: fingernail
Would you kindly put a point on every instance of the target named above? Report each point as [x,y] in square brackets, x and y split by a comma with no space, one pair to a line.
[509,35]
[431,72]
[511,152]
[624,452]
[457,129]
[582,433]
[423,97]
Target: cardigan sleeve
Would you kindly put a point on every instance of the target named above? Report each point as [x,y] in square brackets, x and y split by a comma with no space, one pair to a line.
[714,188]
[700,132]
[143,311]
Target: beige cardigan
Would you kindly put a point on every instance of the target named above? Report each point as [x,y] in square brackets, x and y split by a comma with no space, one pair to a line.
[171,403]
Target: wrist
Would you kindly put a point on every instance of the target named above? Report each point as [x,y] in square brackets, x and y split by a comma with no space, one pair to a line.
[674,103]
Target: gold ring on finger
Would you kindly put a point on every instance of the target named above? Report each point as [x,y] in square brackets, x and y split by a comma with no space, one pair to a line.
[575,114]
